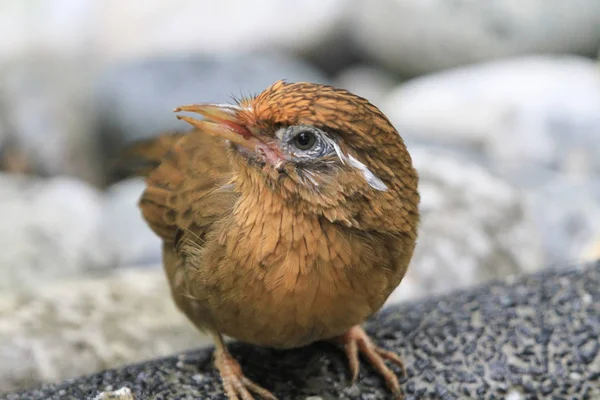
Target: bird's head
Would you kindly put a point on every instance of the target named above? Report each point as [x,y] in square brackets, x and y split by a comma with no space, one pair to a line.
[323,150]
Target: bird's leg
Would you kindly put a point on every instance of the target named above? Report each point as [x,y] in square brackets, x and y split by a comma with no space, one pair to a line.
[235,384]
[357,341]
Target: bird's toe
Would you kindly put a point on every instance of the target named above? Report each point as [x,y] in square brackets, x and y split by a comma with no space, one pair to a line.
[355,342]
[236,385]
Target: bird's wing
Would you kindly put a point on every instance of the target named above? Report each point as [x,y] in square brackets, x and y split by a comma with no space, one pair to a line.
[142,157]
[187,178]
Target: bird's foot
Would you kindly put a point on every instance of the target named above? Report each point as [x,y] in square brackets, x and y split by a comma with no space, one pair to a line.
[357,341]
[235,384]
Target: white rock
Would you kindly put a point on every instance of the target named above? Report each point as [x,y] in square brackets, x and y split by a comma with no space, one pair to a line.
[475,227]
[514,395]
[77,327]
[113,30]
[61,27]
[525,115]
[592,250]
[121,394]
[49,230]
[417,36]
[214,27]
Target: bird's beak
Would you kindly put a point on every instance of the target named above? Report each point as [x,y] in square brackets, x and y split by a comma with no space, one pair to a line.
[220,120]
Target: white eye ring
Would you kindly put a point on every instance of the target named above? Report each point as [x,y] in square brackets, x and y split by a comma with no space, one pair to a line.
[304,141]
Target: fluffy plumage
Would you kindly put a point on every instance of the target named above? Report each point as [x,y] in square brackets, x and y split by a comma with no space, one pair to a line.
[276,245]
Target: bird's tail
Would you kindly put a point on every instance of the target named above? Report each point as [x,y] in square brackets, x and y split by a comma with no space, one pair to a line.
[142,157]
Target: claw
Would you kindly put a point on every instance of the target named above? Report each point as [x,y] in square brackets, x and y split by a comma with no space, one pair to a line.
[235,384]
[357,341]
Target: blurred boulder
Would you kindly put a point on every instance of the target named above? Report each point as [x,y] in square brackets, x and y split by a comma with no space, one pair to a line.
[414,37]
[336,51]
[124,233]
[49,230]
[45,118]
[136,100]
[592,252]
[113,30]
[66,329]
[567,213]
[214,27]
[367,81]
[535,123]
[475,227]
[528,118]
[58,27]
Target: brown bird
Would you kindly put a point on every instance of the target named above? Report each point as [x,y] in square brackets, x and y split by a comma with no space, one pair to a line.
[287,218]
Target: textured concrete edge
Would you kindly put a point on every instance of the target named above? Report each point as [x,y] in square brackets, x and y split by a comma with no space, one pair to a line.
[534,335]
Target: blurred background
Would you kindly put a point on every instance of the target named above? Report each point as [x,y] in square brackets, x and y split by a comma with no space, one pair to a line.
[499,102]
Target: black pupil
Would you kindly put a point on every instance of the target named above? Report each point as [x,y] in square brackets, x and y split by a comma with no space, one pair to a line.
[305,140]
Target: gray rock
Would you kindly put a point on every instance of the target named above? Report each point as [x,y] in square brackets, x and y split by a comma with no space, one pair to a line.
[45,115]
[136,100]
[535,122]
[335,52]
[526,117]
[369,82]
[80,326]
[474,227]
[527,338]
[414,37]
[50,230]
[124,233]
[568,214]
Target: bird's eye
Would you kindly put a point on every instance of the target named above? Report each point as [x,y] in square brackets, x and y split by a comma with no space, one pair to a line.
[305,140]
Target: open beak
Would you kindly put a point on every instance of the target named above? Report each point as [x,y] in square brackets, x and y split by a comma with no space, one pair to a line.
[220,120]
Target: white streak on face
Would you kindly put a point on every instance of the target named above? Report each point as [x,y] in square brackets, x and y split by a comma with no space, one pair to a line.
[371,179]
[338,150]
[310,177]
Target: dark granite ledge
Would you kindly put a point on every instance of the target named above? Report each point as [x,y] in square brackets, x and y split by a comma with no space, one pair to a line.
[537,337]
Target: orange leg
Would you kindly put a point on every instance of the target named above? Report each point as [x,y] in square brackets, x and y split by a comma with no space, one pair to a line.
[235,384]
[357,341]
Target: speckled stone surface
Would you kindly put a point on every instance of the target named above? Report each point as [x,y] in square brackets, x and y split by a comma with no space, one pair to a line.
[535,337]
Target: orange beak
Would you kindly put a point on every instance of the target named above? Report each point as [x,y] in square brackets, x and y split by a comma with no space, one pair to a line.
[220,120]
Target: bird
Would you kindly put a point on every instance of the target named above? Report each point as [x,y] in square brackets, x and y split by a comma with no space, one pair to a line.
[286,218]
